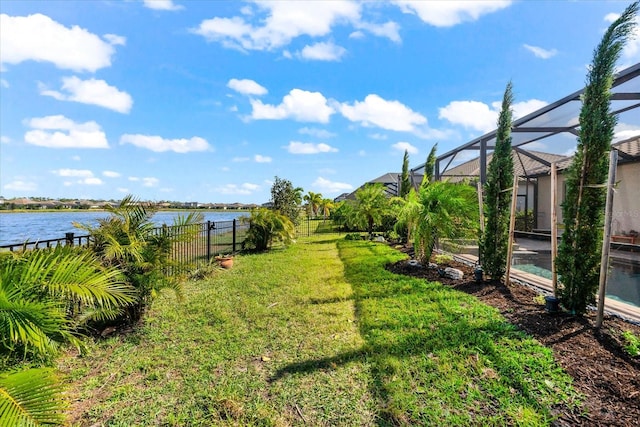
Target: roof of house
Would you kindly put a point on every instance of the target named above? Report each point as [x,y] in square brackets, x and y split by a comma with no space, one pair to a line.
[628,151]
[524,163]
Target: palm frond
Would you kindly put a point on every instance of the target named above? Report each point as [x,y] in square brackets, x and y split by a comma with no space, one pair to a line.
[31,398]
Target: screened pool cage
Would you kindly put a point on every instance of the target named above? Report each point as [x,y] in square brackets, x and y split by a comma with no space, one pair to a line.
[544,138]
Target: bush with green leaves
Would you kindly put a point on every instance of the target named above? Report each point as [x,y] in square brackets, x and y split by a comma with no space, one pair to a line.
[447,210]
[47,295]
[266,227]
[46,298]
[128,240]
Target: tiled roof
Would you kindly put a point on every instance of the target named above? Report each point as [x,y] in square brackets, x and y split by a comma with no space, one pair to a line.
[523,165]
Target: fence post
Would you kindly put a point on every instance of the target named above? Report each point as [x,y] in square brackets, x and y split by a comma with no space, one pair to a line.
[208,240]
[69,238]
[234,235]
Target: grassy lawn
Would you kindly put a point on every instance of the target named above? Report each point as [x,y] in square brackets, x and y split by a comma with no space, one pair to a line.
[318,334]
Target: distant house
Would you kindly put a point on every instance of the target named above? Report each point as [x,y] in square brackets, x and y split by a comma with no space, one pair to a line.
[626,200]
[391,182]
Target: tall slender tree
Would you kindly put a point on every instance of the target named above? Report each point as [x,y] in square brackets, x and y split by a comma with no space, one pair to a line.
[405,184]
[429,167]
[497,197]
[583,209]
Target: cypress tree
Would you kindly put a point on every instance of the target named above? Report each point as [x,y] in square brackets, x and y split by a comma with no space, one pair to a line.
[429,166]
[494,242]
[578,260]
[405,184]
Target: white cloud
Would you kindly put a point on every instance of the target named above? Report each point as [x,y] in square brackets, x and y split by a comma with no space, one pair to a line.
[92,91]
[19,185]
[296,147]
[259,158]
[326,186]
[159,144]
[470,114]
[402,146]
[449,13]
[150,182]
[482,117]
[521,109]
[240,159]
[246,87]
[625,131]
[318,133]
[133,179]
[85,176]
[122,190]
[161,5]
[5,139]
[284,22]
[299,105]
[115,39]
[75,158]
[356,35]
[111,174]
[39,38]
[73,173]
[540,52]
[60,132]
[4,83]
[243,189]
[378,136]
[389,30]
[391,115]
[323,51]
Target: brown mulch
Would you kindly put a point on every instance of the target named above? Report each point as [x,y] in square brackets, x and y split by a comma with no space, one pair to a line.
[603,373]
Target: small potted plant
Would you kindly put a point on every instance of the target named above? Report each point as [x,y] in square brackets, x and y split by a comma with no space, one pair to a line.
[225,261]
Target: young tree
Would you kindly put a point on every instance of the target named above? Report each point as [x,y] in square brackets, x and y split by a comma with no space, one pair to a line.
[326,205]
[284,198]
[583,209]
[446,210]
[313,203]
[371,206]
[266,227]
[405,184]
[494,242]
[429,167]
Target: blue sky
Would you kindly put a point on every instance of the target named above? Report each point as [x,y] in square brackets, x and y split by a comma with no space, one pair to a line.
[209,100]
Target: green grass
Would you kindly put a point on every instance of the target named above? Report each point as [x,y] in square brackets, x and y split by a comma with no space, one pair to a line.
[318,333]
[440,357]
[261,344]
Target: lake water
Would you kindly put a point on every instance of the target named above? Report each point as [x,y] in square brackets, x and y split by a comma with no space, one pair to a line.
[19,227]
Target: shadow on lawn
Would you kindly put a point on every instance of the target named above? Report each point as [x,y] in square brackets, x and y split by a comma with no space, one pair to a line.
[399,327]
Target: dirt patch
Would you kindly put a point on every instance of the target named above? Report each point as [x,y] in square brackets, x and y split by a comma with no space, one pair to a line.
[607,377]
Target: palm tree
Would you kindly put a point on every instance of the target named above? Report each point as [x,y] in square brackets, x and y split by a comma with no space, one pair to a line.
[266,227]
[326,205]
[46,294]
[313,202]
[447,210]
[371,205]
[407,211]
[128,239]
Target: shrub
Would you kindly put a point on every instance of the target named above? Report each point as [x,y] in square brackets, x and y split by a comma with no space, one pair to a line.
[267,226]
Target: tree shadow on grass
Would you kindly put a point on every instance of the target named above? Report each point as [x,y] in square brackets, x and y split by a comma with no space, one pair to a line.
[397,315]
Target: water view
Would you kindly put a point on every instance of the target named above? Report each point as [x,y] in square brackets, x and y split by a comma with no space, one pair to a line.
[19,227]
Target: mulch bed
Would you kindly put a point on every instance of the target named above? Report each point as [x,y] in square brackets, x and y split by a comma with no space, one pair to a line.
[604,374]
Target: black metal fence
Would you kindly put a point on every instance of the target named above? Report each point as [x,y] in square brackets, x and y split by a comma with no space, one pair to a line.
[193,244]
[311,226]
